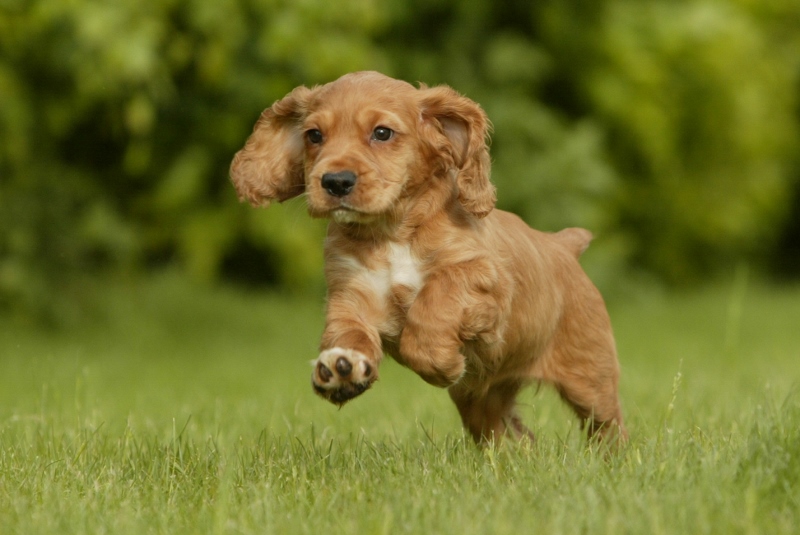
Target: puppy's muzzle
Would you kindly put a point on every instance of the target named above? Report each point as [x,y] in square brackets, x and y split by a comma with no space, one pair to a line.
[339,184]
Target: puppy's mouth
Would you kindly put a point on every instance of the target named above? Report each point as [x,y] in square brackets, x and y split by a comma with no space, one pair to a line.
[345,215]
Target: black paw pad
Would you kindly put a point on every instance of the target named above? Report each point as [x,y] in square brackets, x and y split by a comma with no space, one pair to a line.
[324,373]
[343,366]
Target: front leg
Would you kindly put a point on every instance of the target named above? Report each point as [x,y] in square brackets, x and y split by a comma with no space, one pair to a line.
[430,343]
[457,303]
[350,349]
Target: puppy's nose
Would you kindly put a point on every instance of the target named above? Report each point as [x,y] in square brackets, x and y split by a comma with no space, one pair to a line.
[339,184]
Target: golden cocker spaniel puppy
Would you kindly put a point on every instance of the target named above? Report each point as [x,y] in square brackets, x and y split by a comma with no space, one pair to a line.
[418,262]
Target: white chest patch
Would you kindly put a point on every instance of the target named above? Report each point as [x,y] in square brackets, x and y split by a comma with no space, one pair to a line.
[401,269]
[404,269]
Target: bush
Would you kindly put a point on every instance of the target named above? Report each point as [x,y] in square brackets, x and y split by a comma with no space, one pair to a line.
[699,101]
[667,128]
[119,121]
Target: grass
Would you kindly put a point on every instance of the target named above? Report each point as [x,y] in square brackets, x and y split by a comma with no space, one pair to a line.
[190,411]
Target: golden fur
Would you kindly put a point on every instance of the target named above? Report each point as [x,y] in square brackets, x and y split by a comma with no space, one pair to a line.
[419,265]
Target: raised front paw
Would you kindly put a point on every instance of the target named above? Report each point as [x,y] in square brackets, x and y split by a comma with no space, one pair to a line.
[342,374]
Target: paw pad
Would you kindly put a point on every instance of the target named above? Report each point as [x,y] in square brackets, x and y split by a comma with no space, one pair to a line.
[342,374]
[343,366]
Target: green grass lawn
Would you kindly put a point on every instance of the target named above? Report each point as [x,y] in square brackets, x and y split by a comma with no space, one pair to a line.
[190,411]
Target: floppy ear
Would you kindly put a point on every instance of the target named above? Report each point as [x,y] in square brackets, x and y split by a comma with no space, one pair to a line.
[270,166]
[466,127]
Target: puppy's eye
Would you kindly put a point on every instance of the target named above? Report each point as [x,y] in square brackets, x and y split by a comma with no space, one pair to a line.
[314,136]
[381,133]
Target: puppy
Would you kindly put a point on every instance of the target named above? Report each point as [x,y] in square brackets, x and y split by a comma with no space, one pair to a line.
[418,262]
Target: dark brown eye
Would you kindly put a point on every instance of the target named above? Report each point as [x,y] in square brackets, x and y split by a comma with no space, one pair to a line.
[314,136]
[381,133]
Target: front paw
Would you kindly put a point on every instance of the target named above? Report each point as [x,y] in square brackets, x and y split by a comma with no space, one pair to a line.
[440,365]
[342,374]
[442,376]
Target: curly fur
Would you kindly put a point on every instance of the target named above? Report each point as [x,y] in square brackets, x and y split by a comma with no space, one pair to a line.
[421,266]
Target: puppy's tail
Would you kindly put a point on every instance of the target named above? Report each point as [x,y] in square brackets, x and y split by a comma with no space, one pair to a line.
[575,239]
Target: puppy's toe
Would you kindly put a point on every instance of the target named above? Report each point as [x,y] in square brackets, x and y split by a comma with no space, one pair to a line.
[342,374]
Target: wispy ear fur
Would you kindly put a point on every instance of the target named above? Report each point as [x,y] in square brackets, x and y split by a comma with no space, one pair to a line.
[270,166]
[466,128]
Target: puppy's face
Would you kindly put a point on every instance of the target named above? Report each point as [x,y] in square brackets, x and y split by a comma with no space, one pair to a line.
[363,147]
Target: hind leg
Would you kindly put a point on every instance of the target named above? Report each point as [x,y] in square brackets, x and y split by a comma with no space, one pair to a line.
[598,411]
[583,366]
[589,386]
[490,416]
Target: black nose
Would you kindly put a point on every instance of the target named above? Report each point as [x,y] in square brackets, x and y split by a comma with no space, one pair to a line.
[339,184]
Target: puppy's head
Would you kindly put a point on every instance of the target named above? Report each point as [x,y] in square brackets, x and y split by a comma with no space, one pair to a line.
[362,147]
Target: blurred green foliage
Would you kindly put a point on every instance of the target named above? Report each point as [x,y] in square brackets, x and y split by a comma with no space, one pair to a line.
[669,128]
